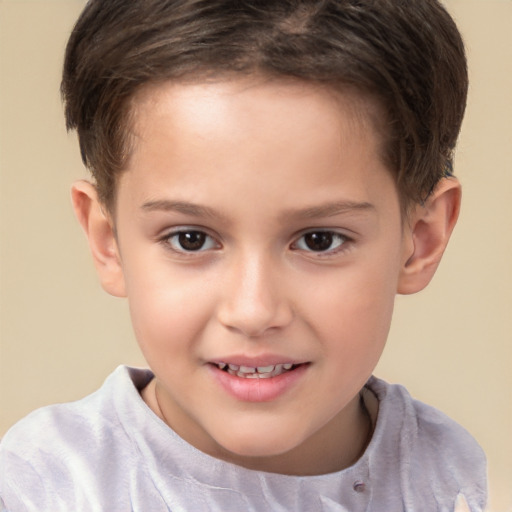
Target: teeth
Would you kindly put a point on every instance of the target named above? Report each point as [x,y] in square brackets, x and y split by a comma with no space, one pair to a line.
[247,369]
[248,375]
[259,372]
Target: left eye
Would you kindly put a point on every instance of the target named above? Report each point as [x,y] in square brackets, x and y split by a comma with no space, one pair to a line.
[190,241]
[320,241]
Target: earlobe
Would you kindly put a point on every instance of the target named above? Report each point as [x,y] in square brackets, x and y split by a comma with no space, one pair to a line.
[430,227]
[98,227]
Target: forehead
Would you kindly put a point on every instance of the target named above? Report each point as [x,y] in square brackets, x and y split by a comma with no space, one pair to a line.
[206,137]
[239,97]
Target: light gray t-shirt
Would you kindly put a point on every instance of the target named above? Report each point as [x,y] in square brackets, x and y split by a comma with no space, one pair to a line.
[110,452]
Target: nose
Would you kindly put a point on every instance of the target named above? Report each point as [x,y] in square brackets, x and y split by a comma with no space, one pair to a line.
[255,299]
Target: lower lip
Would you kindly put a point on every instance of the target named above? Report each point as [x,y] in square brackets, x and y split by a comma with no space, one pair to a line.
[258,390]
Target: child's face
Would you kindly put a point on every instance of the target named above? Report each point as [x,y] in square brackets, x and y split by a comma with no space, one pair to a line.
[257,226]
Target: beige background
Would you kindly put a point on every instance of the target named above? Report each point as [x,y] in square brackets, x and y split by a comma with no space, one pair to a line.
[60,335]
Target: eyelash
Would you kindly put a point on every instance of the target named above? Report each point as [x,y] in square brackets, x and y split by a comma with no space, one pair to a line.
[171,241]
[335,237]
[168,240]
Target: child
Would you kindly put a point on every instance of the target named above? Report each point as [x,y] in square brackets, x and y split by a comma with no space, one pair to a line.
[267,176]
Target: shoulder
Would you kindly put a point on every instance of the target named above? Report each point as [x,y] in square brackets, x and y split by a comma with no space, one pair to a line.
[437,455]
[89,416]
[56,446]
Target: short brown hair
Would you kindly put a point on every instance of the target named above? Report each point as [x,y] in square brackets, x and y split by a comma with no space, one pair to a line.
[407,54]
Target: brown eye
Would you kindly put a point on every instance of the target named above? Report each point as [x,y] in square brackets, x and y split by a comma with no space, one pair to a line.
[190,241]
[320,241]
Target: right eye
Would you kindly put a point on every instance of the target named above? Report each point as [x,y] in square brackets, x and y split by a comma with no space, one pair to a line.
[190,241]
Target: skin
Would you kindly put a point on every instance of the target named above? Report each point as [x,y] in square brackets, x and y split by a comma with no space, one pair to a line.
[256,165]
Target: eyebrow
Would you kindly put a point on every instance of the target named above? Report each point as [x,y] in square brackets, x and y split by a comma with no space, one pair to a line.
[184,207]
[330,209]
[325,210]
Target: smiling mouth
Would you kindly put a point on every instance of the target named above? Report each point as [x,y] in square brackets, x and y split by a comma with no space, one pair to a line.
[257,372]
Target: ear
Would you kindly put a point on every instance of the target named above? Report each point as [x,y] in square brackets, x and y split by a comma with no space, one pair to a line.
[99,229]
[429,228]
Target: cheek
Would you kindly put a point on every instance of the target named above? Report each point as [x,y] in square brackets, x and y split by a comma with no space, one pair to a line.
[167,310]
[352,314]
[358,299]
